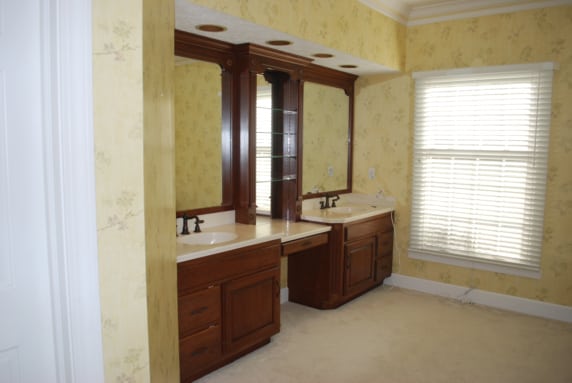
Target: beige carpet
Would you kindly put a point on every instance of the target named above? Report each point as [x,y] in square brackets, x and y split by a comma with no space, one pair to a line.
[395,335]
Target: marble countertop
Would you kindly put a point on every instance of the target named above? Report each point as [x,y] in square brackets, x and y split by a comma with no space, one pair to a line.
[266,229]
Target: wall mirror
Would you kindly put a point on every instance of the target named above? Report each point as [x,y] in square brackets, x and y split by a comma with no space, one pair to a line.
[326,163]
[202,92]
[198,133]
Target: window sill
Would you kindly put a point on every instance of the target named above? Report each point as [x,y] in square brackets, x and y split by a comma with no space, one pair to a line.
[479,265]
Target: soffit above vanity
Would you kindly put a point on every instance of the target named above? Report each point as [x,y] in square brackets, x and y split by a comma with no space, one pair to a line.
[417,12]
[239,31]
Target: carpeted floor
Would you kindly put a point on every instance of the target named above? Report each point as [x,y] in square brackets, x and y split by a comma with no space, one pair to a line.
[394,335]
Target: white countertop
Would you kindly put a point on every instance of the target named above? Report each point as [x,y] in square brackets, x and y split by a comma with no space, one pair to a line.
[347,213]
[266,229]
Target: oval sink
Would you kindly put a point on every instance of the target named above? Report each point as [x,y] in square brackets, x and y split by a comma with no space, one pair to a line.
[347,209]
[211,238]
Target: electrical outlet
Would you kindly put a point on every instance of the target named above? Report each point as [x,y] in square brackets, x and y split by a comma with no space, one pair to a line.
[371,173]
[330,171]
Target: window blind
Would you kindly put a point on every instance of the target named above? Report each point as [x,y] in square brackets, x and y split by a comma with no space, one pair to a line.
[480,158]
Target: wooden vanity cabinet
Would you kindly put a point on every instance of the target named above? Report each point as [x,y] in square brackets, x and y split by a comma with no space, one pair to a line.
[229,304]
[359,257]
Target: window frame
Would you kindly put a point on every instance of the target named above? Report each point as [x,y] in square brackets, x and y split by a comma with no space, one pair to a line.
[417,250]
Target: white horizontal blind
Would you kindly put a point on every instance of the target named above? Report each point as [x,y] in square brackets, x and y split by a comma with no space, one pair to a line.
[263,149]
[480,159]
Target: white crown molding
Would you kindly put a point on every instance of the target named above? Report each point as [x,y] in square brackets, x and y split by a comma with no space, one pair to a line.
[407,12]
[397,10]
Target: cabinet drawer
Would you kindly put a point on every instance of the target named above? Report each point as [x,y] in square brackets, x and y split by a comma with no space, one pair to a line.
[199,351]
[361,229]
[215,268]
[198,310]
[304,243]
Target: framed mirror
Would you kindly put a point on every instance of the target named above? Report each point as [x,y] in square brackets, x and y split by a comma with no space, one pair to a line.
[326,139]
[203,137]
[326,134]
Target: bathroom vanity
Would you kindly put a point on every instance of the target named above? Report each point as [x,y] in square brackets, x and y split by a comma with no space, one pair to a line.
[228,304]
[357,258]
[229,292]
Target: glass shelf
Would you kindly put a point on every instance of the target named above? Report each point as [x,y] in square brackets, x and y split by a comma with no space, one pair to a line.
[277,156]
[285,178]
[277,110]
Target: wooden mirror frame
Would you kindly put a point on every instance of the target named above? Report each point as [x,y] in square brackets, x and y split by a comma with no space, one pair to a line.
[239,66]
[330,77]
[221,53]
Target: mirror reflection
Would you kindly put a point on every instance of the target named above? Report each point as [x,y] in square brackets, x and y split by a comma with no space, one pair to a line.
[325,139]
[198,134]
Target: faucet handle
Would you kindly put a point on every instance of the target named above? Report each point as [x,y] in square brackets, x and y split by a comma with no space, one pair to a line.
[197,227]
[336,198]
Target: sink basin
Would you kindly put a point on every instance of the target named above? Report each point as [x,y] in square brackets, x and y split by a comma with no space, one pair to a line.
[347,209]
[211,238]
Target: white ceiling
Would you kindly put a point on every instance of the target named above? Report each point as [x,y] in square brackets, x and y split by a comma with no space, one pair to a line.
[189,15]
[409,12]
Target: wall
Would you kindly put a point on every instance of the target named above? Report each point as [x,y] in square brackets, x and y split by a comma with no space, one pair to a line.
[384,136]
[132,80]
[198,122]
[347,25]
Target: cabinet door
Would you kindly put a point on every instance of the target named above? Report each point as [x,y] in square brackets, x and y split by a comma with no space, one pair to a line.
[359,265]
[251,310]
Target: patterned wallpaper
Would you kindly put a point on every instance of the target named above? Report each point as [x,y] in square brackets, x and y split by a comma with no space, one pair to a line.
[384,136]
[326,114]
[135,189]
[137,271]
[345,25]
[198,122]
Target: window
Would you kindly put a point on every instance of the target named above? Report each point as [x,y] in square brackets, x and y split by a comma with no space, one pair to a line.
[480,158]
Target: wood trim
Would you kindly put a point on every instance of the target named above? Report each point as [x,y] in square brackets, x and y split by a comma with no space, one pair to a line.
[331,77]
[203,48]
[219,52]
[262,58]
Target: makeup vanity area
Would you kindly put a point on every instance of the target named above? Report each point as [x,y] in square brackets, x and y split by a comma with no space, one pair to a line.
[229,273]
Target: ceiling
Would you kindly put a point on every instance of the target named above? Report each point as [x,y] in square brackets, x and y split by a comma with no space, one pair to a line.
[189,15]
[409,12]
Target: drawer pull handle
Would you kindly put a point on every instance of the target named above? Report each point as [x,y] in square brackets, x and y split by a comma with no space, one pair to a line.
[306,244]
[199,310]
[199,351]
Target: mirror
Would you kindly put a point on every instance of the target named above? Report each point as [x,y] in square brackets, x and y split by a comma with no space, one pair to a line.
[326,139]
[198,134]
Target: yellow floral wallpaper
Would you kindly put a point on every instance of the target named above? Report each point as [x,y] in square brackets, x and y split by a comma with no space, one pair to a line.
[198,121]
[345,25]
[326,114]
[135,165]
[133,128]
[384,136]
[159,189]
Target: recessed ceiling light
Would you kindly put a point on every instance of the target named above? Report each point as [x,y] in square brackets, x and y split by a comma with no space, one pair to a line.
[323,55]
[279,42]
[348,66]
[211,28]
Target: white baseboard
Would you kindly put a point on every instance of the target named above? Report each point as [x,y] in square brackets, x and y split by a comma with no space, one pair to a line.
[500,301]
[284,295]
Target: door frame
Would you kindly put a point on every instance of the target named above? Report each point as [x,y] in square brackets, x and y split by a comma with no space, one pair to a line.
[69,171]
